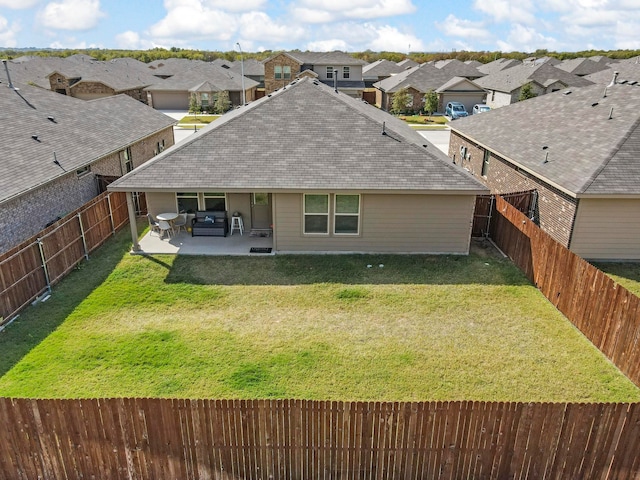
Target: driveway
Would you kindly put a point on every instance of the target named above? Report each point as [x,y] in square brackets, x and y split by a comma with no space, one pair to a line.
[440,138]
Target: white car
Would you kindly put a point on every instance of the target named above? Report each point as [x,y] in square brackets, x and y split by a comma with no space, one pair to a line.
[480,107]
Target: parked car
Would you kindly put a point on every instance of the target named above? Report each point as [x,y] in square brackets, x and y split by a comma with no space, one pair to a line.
[480,107]
[455,110]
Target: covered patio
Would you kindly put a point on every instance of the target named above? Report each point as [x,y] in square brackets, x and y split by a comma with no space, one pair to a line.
[184,244]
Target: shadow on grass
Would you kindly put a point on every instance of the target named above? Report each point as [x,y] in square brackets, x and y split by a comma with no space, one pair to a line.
[626,274]
[36,322]
[477,268]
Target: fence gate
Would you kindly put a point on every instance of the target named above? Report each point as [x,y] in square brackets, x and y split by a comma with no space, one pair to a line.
[526,202]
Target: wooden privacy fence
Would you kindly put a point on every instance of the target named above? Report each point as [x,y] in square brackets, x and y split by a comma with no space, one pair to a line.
[607,313]
[31,268]
[524,201]
[296,439]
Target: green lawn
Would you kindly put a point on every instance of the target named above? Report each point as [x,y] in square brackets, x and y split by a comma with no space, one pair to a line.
[427,120]
[198,119]
[626,274]
[312,327]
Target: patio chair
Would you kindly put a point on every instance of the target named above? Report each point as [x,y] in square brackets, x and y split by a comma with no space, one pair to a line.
[154,226]
[180,222]
[165,227]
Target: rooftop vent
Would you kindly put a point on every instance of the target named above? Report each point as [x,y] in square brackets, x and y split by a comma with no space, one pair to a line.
[6,67]
[595,104]
[51,118]
[614,80]
[35,137]
[568,92]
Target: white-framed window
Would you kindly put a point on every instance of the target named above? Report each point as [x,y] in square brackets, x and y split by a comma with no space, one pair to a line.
[485,163]
[81,172]
[277,72]
[204,100]
[215,201]
[329,73]
[316,213]
[345,72]
[127,160]
[346,214]
[286,72]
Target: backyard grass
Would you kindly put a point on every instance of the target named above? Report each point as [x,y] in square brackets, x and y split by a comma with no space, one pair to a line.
[428,120]
[626,274]
[198,119]
[352,327]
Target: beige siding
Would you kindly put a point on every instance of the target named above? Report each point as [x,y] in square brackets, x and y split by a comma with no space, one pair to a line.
[240,202]
[607,229]
[388,223]
[161,202]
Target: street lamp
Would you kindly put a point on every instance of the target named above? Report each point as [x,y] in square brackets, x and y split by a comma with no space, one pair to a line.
[242,72]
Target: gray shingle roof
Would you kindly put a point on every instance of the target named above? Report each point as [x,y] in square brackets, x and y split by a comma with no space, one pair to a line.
[628,72]
[515,77]
[32,70]
[498,65]
[381,68]
[423,78]
[83,132]
[322,58]
[588,153]
[199,72]
[581,66]
[300,138]
[457,68]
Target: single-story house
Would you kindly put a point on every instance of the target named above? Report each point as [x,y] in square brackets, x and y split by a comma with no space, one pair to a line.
[419,80]
[202,80]
[55,147]
[379,70]
[320,171]
[504,86]
[579,149]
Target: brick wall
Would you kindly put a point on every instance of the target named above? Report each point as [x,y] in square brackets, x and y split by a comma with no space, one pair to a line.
[270,82]
[26,215]
[556,209]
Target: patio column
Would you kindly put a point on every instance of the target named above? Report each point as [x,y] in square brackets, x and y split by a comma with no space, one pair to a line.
[132,222]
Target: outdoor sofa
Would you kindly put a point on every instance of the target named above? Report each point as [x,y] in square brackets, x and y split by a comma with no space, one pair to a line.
[209,223]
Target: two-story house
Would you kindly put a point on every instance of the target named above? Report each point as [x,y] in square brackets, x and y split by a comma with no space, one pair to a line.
[336,69]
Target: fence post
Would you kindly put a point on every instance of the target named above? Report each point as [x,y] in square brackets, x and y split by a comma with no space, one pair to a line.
[113,224]
[84,240]
[44,264]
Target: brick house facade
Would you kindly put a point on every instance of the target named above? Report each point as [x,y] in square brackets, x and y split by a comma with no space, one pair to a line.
[75,87]
[556,210]
[24,216]
[272,83]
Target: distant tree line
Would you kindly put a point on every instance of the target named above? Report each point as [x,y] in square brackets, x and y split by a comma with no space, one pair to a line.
[147,56]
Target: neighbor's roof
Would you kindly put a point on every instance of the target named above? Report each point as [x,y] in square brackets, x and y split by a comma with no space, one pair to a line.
[381,68]
[628,72]
[498,65]
[304,137]
[457,68]
[587,153]
[189,78]
[515,77]
[32,70]
[581,66]
[423,78]
[250,66]
[80,133]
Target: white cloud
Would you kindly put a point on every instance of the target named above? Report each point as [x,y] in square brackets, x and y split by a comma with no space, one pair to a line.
[328,45]
[258,26]
[526,39]
[130,40]
[71,14]
[235,5]
[521,11]
[72,42]
[323,11]
[8,33]
[457,27]
[188,19]
[19,4]
[353,36]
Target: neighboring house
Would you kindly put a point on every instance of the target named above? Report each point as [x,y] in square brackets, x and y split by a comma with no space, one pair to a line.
[252,69]
[419,80]
[581,66]
[379,70]
[202,80]
[579,149]
[55,147]
[32,70]
[498,65]
[282,68]
[504,86]
[626,71]
[456,68]
[408,63]
[322,171]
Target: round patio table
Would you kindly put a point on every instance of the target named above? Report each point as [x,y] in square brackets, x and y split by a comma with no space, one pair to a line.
[169,216]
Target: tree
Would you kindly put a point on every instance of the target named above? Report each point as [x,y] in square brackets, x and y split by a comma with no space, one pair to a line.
[400,102]
[430,102]
[527,92]
[194,107]
[223,103]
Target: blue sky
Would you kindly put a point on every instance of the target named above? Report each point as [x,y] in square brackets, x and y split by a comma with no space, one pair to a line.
[321,25]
